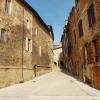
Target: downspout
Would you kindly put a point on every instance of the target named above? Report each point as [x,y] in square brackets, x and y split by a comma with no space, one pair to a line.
[23,46]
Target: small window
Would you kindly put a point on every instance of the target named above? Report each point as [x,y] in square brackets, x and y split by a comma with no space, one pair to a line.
[91,15]
[69,50]
[80,26]
[8,6]
[95,51]
[78,11]
[28,23]
[36,32]
[85,54]
[74,36]
[28,44]
[3,35]
[40,51]
[76,1]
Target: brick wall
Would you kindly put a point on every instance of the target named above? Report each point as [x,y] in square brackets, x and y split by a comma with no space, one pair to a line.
[91,33]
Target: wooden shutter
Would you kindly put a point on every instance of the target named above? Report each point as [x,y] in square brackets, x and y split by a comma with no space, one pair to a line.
[90,56]
[80,26]
[91,15]
[98,49]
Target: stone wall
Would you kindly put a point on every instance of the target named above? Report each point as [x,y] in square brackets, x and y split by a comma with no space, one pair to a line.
[16,63]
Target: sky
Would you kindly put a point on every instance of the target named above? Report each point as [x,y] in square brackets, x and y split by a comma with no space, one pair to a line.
[53,12]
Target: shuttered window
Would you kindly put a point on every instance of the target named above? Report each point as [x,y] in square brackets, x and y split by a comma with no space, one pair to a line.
[91,15]
[8,6]
[85,54]
[28,44]
[80,27]
[76,1]
[4,35]
[96,44]
[75,36]
[69,50]
[90,56]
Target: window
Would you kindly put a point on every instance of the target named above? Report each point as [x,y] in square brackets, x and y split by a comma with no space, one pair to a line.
[28,44]
[80,26]
[95,51]
[36,32]
[78,11]
[69,50]
[3,35]
[48,43]
[28,23]
[77,1]
[8,6]
[85,54]
[40,51]
[91,15]
[74,36]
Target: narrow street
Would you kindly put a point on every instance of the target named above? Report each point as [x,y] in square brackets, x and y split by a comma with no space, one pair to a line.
[42,39]
[52,86]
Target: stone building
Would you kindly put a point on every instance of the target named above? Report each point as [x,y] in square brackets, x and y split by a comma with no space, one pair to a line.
[25,40]
[84,46]
[57,55]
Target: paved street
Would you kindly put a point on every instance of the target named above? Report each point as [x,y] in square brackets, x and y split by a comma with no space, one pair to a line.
[52,86]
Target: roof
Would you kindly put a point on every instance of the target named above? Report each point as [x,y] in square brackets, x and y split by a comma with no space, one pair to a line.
[35,13]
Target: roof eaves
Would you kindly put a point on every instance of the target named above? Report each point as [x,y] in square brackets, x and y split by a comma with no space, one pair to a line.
[35,13]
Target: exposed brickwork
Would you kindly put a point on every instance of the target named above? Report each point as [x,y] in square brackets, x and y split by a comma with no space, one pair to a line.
[85,49]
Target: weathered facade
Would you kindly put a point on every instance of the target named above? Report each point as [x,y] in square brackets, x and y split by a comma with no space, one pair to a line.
[25,40]
[83,34]
[57,55]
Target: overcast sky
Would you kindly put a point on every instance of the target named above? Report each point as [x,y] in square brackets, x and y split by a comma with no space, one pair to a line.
[53,12]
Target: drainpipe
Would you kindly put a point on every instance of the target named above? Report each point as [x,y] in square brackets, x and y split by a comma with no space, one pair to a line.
[23,46]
